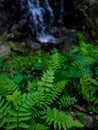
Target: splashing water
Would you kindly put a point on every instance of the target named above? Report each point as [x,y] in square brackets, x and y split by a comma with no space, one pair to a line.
[41,18]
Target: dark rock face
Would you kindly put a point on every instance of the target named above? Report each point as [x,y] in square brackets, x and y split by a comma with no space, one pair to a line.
[7,14]
[69,13]
[11,14]
[3,17]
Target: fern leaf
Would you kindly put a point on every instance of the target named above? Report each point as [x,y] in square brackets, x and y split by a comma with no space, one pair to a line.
[7,85]
[23,125]
[60,120]
[66,101]
[48,76]
[12,126]
[56,61]
[37,126]
[84,62]
[88,87]
[4,106]
[20,113]
[47,90]
[15,96]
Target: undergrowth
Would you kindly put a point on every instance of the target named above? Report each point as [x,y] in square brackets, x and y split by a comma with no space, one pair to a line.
[37,92]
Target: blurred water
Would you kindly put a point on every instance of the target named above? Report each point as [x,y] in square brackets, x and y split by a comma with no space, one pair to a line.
[41,17]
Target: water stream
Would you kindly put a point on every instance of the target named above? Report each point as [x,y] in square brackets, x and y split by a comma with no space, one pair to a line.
[42,18]
[39,11]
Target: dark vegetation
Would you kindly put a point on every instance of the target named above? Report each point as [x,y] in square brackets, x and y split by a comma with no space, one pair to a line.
[50,90]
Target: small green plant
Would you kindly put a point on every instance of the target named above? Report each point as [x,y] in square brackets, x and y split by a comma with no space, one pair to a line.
[89,88]
[36,105]
[38,92]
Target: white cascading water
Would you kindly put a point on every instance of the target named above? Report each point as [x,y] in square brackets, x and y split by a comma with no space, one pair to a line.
[38,12]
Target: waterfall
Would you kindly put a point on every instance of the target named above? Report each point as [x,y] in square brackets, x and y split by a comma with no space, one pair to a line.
[41,18]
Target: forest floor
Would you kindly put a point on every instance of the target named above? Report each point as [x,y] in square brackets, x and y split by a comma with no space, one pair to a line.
[63,78]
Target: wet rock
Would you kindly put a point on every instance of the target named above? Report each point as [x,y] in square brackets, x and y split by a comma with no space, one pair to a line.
[15,29]
[33,44]
[10,16]
[58,31]
[88,122]
[3,20]
[64,37]
[61,31]
[3,25]
[4,49]
[55,32]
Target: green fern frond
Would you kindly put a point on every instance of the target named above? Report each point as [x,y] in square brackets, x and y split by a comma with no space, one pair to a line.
[56,61]
[47,91]
[60,120]
[7,85]
[58,89]
[84,47]
[94,81]
[32,101]
[17,119]
[88,49]
[4,106]
[37,126]
[14,97]
[66,101]
[89,87]
[84,62]
[49,88]
[20,112]
[52,93]
[48,77]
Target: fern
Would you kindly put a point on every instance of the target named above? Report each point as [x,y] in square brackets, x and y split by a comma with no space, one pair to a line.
[37,126]
[85,48]
[24,105]
[56,61]
[29,63]
[60,120]
[51,90]
[47,88]
[52,80]
[20,112]
[21,62]
[47,78]
[84,62]
[66,101]
[4,106]
[89,88]
[7,85]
